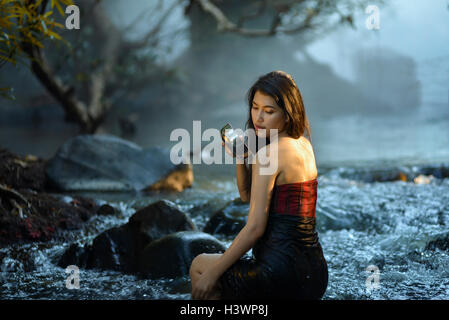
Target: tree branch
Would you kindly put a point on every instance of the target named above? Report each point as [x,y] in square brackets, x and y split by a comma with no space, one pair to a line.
[260,10]
[145,40]
[225,25]
[74,109]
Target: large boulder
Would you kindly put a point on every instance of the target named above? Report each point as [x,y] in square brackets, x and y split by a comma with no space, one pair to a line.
[172,255]
[159,219]
[119,248]
[105,162]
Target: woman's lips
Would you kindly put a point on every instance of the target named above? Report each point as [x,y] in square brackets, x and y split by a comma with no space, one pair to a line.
[258,128]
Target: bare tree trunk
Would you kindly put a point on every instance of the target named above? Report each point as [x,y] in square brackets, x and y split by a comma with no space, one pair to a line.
[91,114]
[75,109]
[112,49]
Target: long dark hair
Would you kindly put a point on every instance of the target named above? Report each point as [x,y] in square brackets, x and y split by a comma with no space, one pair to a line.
[283,89]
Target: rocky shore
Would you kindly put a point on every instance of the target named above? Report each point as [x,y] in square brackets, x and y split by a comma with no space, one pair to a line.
[28,212]
[34,200]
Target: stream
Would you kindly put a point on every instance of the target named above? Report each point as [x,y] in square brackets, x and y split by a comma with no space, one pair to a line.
[383,224]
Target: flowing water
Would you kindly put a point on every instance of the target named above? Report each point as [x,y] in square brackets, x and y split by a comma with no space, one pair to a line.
[360,224]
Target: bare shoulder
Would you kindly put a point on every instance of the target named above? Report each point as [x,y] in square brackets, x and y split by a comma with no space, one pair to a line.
[296,160]
[284,149]
[290,147]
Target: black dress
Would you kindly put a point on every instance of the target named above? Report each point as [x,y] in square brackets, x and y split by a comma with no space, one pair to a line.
[287,261]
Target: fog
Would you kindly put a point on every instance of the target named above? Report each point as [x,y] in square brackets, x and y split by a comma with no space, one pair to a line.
[369,94]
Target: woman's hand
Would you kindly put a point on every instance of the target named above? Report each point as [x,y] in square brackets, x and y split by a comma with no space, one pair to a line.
[204,286]
[229,151]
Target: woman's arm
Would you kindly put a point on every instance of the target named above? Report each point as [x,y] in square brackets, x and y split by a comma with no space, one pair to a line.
[243,179]
[261,189]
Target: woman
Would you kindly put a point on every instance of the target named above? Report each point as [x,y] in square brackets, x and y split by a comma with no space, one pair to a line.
[287,260]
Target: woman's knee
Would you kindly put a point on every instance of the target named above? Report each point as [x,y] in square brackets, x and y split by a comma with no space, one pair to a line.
[194,266]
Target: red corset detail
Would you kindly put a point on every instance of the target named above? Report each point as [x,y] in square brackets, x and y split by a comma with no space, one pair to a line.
[298,198]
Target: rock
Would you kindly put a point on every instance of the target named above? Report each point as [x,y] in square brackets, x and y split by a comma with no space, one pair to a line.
[119,248]
[229,220]
[175,181]
[379,261]
[439,242]
[159,219]
[114,249]
[438,171]
[105,162]
[383,173]
[74,255]
[422,179]
[225,224]
[172,255]
[370,175]
[106,210]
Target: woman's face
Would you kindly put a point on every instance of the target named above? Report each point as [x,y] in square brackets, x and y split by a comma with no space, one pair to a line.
[266,114]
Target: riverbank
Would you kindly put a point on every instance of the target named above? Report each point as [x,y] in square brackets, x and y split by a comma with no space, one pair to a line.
[28,212]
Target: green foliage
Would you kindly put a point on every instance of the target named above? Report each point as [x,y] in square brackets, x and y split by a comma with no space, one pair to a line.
[27,21]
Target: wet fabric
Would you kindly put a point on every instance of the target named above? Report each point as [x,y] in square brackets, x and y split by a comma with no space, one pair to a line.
[287,262]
